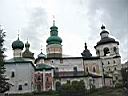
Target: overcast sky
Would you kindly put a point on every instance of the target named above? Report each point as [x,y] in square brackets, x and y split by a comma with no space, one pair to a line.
[79,21]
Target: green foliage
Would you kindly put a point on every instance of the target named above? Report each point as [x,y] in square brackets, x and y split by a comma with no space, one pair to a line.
[4,85]
[107,91]
[76,88]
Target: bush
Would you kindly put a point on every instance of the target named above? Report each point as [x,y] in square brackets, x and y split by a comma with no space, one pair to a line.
[76,88]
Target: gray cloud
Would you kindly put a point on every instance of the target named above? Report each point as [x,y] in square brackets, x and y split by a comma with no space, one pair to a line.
[115,17]
[36,28]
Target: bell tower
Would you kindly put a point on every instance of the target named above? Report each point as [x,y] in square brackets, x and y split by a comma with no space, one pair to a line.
[54,47]
[107,46]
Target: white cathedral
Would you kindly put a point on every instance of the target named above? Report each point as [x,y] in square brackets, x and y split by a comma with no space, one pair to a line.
[48,72]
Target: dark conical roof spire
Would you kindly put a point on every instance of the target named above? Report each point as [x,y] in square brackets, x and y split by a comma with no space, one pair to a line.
[86,53]
[85,45]
[27,45]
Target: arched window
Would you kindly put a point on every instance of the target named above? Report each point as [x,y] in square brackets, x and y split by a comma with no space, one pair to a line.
[58,85]
[106,51]
[115,69]
[47,79]
[115,49]
[20,87]
[98,52]
[108,62]
[75,69]
[114,61]
[86,69]
[13,74]
[39,78]
[94,69]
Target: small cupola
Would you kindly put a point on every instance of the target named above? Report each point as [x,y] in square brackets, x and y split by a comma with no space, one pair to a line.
[40,58]
[104,33]
[27,53]
[41,55]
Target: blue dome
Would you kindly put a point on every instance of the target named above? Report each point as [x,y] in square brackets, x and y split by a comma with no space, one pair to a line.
[17,44]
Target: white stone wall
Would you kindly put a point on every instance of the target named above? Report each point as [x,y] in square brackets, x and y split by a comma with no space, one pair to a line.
[66,64]
[23,74]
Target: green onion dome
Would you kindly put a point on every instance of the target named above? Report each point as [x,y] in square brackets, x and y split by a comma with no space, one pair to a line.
[17,44]
[54,40]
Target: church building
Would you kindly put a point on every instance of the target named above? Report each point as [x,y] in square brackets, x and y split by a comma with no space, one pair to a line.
[48,71]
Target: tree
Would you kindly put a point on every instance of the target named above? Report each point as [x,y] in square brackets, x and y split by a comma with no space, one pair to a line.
[75,88]
[4,85]
[124,72]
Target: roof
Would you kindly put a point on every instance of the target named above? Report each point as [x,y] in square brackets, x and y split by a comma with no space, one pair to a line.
[106,40]
[28,54]
[90,58]
[41,67]
[18,60]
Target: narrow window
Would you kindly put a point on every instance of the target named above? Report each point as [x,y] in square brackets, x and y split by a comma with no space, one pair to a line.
[75,69]
[86,69]
[39,78]
[115,68]
[106,51]
[108,62]
[13,74]
[116,78]
[115,49]
[98,52]
[20,87]
[47,79]
[94,69]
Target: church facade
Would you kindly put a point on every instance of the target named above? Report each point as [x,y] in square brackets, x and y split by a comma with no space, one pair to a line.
[48,72]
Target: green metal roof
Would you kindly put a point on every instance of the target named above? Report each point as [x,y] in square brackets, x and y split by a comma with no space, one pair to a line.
[54,40]
[18,60]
